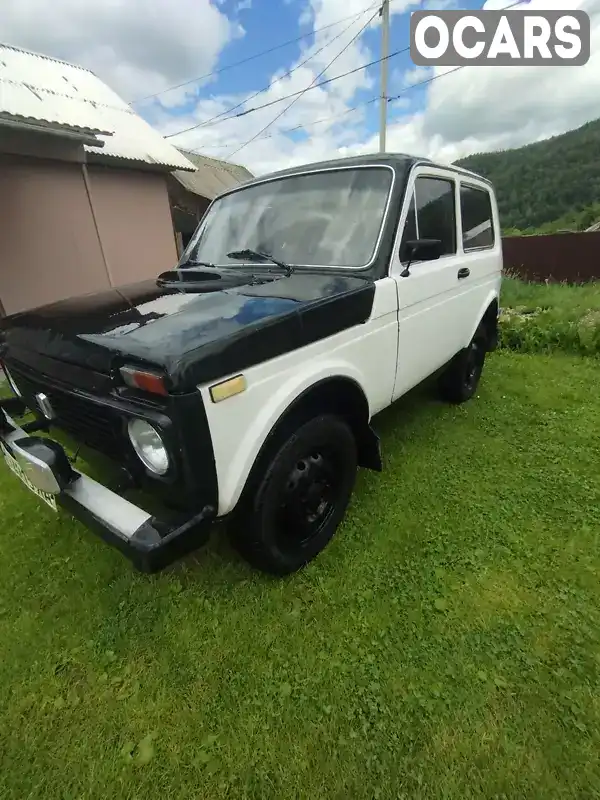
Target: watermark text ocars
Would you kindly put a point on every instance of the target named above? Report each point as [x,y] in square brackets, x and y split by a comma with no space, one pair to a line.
[536,38]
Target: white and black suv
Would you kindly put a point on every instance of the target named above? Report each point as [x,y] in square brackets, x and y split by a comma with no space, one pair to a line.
[242,383]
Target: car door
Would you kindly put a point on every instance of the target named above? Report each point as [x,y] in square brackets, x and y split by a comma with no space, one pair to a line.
[480,243]
[430,329]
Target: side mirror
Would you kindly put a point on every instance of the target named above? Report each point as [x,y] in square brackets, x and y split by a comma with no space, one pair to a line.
[420,250]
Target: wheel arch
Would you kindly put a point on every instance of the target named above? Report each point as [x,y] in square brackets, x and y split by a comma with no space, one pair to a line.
[339,395]
[488,316]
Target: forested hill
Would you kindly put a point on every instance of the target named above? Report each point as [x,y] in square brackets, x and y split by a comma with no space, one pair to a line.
[544,181]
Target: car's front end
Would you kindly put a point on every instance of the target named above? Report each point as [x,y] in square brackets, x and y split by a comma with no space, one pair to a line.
[64,420]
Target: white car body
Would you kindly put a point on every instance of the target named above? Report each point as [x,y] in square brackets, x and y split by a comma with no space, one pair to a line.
[416,326]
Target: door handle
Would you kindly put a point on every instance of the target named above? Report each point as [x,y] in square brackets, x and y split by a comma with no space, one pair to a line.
[464,272]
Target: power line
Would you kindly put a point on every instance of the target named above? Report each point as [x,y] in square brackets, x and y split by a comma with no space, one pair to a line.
[291,130]
[253,57]
[334,116]
[208,122]
[324,83]
[422,83]
[294,94]
[315,79]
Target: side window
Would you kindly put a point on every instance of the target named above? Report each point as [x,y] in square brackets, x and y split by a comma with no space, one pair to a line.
[436,213]
[432,214]
[477,219]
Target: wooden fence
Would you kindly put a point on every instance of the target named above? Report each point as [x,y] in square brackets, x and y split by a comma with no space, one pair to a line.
[572,257]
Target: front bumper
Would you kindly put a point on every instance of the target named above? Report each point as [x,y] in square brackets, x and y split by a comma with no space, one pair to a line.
[148,542]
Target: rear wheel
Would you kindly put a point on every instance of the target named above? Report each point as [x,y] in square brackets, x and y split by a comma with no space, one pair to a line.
[294,508]
[459,382]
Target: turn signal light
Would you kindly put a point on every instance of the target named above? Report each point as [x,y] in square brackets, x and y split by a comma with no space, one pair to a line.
[229,388]
[144,379]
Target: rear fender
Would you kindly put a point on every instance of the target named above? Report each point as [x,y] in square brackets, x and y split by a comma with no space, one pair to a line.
[488,314]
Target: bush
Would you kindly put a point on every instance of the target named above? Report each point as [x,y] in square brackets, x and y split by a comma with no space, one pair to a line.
[540,318]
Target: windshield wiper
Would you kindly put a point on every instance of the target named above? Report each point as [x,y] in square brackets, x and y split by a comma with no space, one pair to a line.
[256,255]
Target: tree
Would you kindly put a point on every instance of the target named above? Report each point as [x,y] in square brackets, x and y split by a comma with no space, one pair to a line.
[551,181]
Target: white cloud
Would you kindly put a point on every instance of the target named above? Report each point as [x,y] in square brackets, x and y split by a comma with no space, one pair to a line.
[515,105]
[416,75]
[137,46]
[332,100]
[475,109]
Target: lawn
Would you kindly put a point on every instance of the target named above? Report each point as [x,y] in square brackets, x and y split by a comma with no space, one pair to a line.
[445,645]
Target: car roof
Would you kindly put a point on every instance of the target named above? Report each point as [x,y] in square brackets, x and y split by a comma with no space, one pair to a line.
[369,159]
[394,160]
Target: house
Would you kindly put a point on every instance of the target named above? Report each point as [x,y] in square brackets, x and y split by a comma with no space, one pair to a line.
[86,185]
[192,192]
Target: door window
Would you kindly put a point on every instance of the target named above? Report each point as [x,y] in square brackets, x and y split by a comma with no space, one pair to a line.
[477,219]
[431,214]
[410,232]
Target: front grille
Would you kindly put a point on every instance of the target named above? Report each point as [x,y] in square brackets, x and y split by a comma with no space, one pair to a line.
[87,422]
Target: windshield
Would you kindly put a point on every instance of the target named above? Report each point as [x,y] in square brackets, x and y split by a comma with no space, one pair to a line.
[330,219]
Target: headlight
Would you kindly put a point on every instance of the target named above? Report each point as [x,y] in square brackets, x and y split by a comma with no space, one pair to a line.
[11,382]
[149,446]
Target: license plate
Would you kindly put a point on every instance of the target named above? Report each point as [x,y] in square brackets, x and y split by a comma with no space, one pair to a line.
[15,467]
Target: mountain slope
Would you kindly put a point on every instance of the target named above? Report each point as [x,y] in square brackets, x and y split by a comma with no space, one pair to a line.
[546,180]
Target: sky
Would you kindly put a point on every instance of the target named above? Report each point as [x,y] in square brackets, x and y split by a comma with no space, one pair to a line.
[142,48]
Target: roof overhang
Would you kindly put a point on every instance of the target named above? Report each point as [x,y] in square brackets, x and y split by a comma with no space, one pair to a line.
[210,177]
[87,136]
[109,159]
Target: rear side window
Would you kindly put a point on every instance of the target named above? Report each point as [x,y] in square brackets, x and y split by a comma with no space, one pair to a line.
[477,219]
[436,213]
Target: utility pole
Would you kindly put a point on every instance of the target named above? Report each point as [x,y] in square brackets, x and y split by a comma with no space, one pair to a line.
[385,52]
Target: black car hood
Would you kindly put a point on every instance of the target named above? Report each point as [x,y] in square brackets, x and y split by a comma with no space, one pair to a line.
[194,336]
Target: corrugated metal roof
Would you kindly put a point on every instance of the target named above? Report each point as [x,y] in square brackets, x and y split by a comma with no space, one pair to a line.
[21,102]
[36,88]
[212,176]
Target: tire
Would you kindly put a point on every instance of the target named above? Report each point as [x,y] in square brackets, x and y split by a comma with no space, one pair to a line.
[459,382]
[295,505]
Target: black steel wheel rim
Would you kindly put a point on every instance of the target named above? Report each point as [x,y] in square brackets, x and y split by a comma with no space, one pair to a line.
[309,498]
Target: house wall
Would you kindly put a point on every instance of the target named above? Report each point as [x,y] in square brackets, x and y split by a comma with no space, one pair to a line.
[134,220]
[48,244]
[64,232]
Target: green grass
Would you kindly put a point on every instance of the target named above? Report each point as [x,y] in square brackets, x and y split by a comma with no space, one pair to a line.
[540,318]
[445,645]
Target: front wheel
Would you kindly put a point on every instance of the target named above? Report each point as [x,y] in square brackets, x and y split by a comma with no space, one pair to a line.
[459,382]
[300,500]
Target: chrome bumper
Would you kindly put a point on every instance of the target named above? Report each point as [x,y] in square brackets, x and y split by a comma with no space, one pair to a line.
[149,543]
